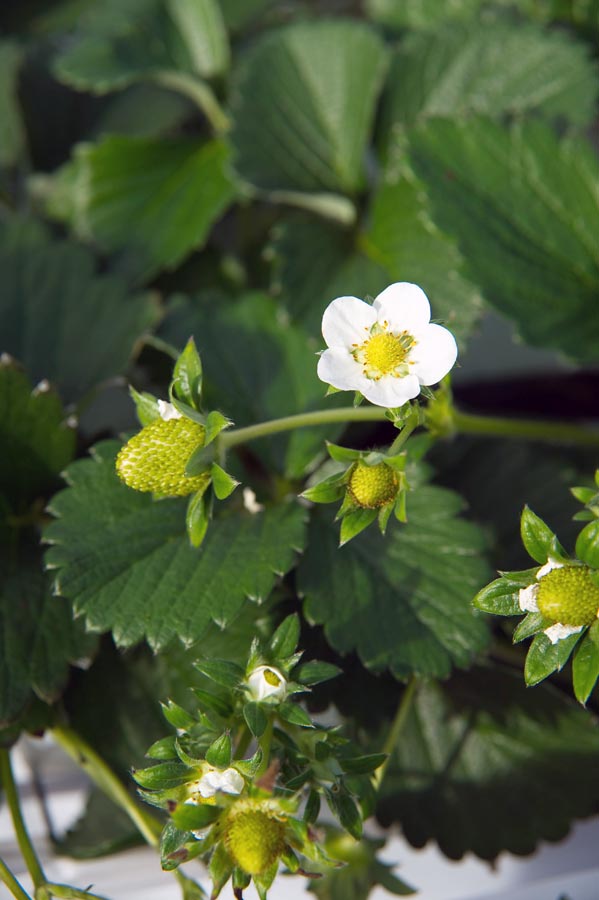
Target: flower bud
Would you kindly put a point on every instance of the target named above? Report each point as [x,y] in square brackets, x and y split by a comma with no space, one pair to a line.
[155,458]
[266,681]
[254,835]
[372,486]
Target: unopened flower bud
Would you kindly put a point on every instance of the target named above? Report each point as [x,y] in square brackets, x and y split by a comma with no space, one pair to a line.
[266,681]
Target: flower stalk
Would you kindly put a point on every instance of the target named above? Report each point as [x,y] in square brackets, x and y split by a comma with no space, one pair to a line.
[32,862]
[7,878]
[405,705]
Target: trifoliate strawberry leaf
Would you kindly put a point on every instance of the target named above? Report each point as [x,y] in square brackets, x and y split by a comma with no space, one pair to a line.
[328,98]
[492,69]
[39,636]
[402,602]
[126,564]
[257,366]
[36,443]
[485,765]
[520,205]
[316,261]
[185,188]
[12,134]
[51,296]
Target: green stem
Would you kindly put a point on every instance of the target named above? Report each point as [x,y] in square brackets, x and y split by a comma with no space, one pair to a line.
[66,892]
[491,426]
[399,721]
[302,420]
[265,744]
[103,776]
[200,93]
[7,877]
[12,798]
[411,423]
[243,742]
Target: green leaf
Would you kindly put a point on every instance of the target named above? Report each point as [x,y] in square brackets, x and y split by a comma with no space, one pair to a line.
[492,68]
[301,114]
[294,714]
[36,443]
[212,702]
[587,544]
[500,597]
[420,13]
[343,808]
[220,751]
[315,261]
[362,765]
[537,537]
[285,639]
[187,376]
[585,666]
[255,718]
[519,204]
[258,367]
[51,296]
[315,672]
[221,671]
[183,190]
[223,483]
[130,568]
[476,745]
[200,24]
[12,134]
[402,602]
[544,658]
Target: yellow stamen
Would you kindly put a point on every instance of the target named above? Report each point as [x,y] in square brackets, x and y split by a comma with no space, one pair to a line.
[385,353]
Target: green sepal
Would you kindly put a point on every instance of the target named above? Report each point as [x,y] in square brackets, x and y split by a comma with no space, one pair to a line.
[214,703]
[249,767]
[146,406]
[172,842]
[295,715]
[521,577]
[187,376]
[532,623]
[362,765]
[345,810]
[315,672]
[383,516]
[355,522]
[223,484]
[200,460]
[163,749]
[220,868]
[400,508]
[255,718]
[397,462]
[585,515]
[587,545]
[583,494]
[537,537]
[332,390]
[197,518]
[185,409]
[289,858]
[585,666]
[296,782]
[426,392]
[240,880]
[221,671]
[215,423]
[544,658]
[285,639]
[176,716]
[312,808]
[220,751]
[358,399]
[499,598]
[161,799]
[263,882]
[342,454]
[326,491]
[162,776]
[194,816]
[190,751]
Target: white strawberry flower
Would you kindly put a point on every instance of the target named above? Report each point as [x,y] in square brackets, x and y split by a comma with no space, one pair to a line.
[386,351]
[266,682]
[228,781]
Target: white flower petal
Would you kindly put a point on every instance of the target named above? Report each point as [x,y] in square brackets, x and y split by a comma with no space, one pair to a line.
[527,598]
[266,681]
[548,567]
[558,631]
[404,306]
[167,410]
[228,781]
[338,367]
[347,321]
[434,355]
[390,391]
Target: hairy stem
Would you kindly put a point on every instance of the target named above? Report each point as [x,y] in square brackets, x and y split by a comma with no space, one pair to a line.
[12,798]
[405,704]
[199,92]
[7,878]
[302,420]
[401,439]
[561,432]
[103,776]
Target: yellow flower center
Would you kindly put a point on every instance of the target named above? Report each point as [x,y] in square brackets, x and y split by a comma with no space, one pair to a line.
[271,678]
[254,836]
[568,596]
[155,459]
[384,353]
[373,486]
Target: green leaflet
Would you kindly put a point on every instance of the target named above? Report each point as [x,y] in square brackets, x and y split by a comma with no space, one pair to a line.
[125,563]
[402,602]
[521,206]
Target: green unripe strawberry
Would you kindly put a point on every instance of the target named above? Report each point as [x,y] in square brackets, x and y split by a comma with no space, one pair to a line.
[155,459]
[372,486]
[568,595]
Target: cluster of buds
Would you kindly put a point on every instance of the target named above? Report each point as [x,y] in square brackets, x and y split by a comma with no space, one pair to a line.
[370,484]
[560,597]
